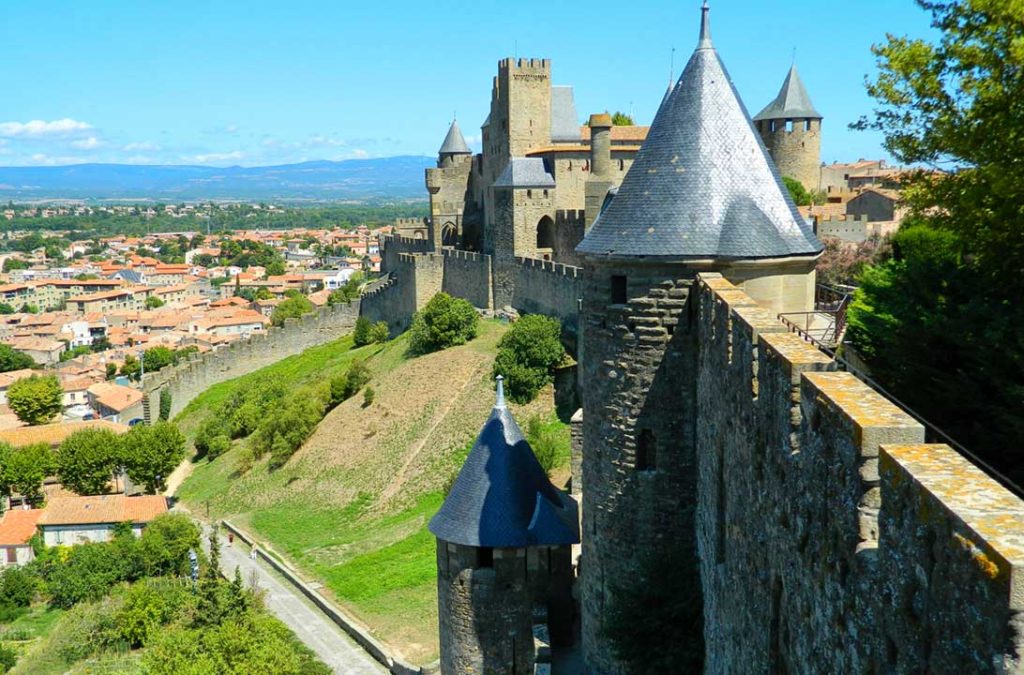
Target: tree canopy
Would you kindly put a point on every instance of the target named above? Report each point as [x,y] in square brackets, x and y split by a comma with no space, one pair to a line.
[941,323]
[528,354]
[444,322]
[291,308]
[36,399]
[11,359]
[87,459]
[150,453]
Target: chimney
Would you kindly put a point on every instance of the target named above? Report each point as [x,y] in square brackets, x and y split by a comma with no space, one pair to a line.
[600,145]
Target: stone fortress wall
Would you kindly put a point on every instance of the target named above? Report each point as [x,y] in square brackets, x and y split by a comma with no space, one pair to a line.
[828,533]
[187,380]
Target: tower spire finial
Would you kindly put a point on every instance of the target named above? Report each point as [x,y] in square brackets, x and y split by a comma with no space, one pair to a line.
[500,402]
[705,27]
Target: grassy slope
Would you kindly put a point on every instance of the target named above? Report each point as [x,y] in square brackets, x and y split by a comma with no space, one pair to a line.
[351,507]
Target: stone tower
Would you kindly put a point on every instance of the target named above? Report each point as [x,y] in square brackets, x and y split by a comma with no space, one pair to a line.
[702,195]
[448,186]
[601,178]
[504,542]
[791,130]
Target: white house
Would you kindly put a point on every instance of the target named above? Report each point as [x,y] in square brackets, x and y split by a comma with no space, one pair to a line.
[338,279]
[79,520]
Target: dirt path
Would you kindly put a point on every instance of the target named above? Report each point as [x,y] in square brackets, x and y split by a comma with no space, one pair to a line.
[178,477]
[400,477]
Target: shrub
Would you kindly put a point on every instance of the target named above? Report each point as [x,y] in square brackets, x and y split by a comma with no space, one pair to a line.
[379,333]
[528,355]
[291,308]
[444,322]
[165,404]
[12,359]
[347,384]
[8,657]
[368,395]
[165,544]
[18,586]
[88,571]
[36,399]
[549,442]
[283,432]
[361,334]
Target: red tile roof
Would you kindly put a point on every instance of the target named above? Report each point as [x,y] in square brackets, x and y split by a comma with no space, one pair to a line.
[18,526]
[102,509]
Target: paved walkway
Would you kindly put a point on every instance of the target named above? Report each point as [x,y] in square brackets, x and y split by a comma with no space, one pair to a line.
[319,633]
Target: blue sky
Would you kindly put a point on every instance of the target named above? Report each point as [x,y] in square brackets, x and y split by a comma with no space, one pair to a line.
[224,82]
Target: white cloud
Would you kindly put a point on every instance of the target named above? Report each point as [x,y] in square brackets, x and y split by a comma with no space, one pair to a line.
[37,128]
[319,141]
[143,146]
[209,157]
[87,143]
[43,159]
[359,154]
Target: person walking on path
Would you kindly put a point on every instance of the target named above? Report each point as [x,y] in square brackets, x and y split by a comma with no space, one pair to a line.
[252,552]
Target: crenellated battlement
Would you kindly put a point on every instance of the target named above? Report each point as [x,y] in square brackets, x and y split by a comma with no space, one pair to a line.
[549,266]
[820,507]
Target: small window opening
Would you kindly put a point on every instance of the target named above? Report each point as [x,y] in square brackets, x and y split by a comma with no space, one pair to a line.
[484,558]
[646,453]
[619,289]
[807,125]
[529,194]
[789,126]
[772,125]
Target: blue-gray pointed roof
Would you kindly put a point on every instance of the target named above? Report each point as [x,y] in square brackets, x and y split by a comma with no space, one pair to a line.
[525,172]
[454,142]
[702,185]
[793,101]
[565,123]
[502,498]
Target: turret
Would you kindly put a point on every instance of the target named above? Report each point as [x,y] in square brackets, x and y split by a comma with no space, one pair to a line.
[702,195]
[790,127]
[601,178]
[454,146]
[501,513]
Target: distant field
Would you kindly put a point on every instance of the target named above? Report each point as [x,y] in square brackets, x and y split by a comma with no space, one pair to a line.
[351,507]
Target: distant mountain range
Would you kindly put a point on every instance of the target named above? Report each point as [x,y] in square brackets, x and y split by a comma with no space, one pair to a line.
[355,179]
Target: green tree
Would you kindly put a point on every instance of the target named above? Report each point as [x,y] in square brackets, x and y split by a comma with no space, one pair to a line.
[800,195]
[5,308]
[528,355]
[152,302]
[940,323]
[361,334]
[621,119]
[36,399]
[151,453]
[24,469]
[166,542]
[156,358]
[291,308]
[11,359]
[444,322]
[12,264]
[111,369]
[75,352]
[131,368]
[86,460]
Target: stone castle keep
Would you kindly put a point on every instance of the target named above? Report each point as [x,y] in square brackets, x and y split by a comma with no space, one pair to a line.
[820,531]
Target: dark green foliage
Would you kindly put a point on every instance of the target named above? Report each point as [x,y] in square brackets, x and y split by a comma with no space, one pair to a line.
[165,544]
[131,368]
[111,371]
[654,621]
[6,308]
[23,469]
[151,453]
[8,657]
[621,119]
[528,355]
[291,308]
[69,354]
[361,334]
[166,402]
[209,607]
[347,384]
[368,396]
[379,333]
[156,358]
[238,416]
[12,264]
[18,587]
[88,571]
[940,324]
[86,460]
[10,359]
[153,302]
[800,195]
[444,322]
[349,292]
[36,399]
[283,432]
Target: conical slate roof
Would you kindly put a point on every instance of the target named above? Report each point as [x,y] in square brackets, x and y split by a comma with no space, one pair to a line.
[454,142]
[793,101]
[702,185]
[502,498]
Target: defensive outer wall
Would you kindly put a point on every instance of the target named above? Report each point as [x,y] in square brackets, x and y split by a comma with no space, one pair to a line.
[188,380]
[414,275]
[831,538]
